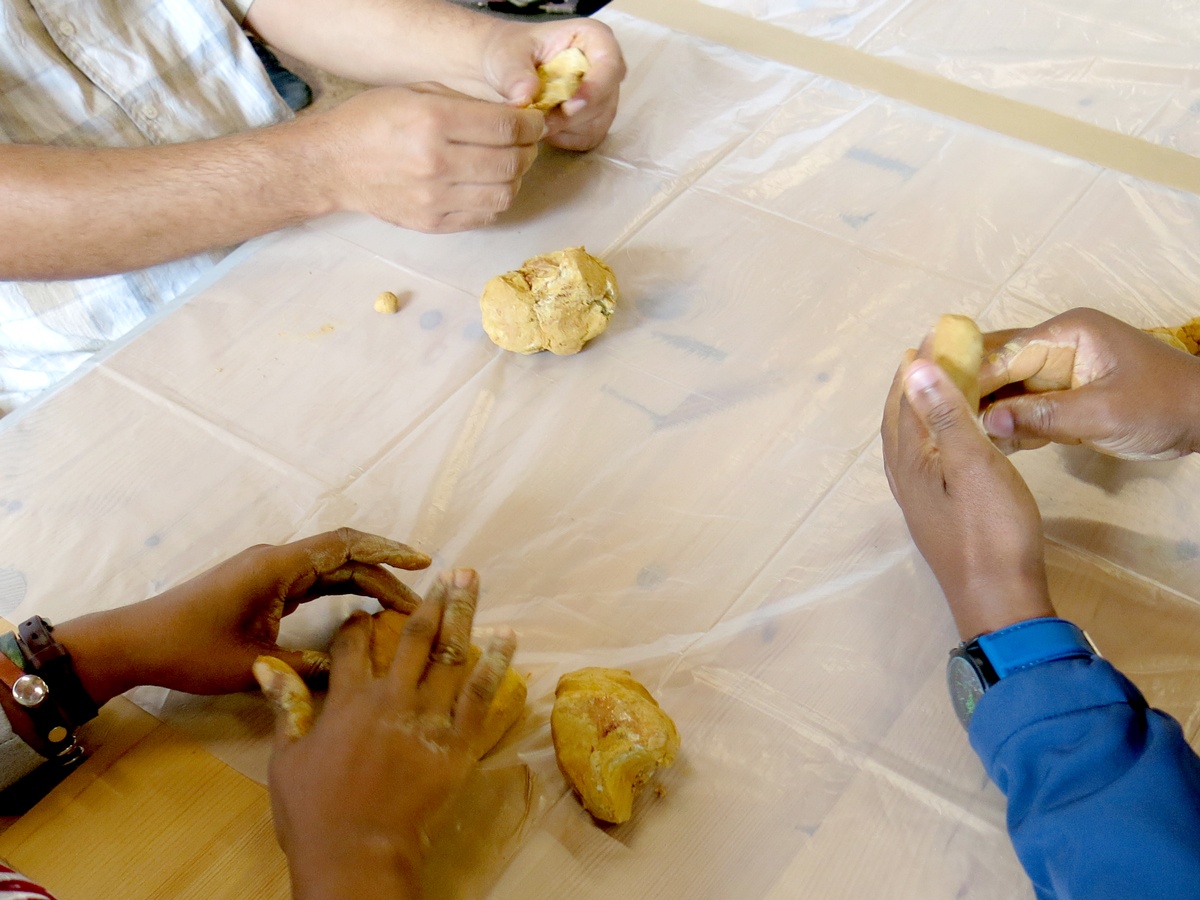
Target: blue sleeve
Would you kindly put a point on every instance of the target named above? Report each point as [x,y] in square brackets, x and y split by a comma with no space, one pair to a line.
[1103,792]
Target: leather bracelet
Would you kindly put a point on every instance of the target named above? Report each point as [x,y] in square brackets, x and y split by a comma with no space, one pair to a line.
[26,701]
[49,659]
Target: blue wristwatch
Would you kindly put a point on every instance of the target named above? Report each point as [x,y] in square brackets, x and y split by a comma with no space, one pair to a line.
[976,665]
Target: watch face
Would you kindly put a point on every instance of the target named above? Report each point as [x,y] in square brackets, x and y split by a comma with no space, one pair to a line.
[966,687]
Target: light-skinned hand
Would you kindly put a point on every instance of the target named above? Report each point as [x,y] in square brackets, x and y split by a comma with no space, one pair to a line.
[422,156]
[510,64]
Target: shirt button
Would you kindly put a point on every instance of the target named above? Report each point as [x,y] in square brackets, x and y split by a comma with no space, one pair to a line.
[66,28]
[149,112]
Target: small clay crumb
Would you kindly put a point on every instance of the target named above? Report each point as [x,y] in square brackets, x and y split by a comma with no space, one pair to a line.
[387,303]
[660,791]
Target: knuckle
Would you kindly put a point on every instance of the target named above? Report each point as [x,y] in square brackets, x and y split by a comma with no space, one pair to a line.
[426,163]
[502,198]
[944,417]
[507,129]
[420,628]
[1038,417]
[484,685]
[511,166]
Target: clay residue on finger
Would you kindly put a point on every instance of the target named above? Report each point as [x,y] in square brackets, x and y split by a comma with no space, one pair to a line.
[507,704]
[316,665]
[560,76]
[360,546]
[287,693]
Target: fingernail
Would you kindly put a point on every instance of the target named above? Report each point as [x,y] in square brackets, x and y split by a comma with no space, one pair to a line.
[921,377]
[999,423]
[573,106]
[464,578]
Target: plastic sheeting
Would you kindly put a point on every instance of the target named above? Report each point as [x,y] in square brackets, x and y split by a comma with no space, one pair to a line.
[698,496]
[1130,67]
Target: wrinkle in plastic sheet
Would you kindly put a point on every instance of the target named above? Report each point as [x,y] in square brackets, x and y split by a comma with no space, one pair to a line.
[698,497]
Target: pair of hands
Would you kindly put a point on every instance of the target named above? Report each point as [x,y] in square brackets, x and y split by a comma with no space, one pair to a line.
[432,159]
[1080,378]
[353,797]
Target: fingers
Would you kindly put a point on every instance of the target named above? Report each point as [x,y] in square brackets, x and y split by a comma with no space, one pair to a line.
[416,641]
[288,694]
[350,670]
[370,581]
[471,121]
[943,410]
[1033,420]
[492,165]
[477,693]
[1039,364]
[889,430]
[310,665]
[332,549]
[448,657]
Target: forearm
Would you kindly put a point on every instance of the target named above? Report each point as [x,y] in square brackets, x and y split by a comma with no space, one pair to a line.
[106,659]
[351,880]
[382,42]
[78,213]
[984,608]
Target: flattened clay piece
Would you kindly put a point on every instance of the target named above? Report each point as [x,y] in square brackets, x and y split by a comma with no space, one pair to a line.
[610,737]
[287,693]
[507,706]
[1185,337]
[958,349]
[560,76]
[558,302]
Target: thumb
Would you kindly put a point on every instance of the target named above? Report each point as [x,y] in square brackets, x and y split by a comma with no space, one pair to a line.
[515,78]
[940,406]
[288,695]
[1059,416]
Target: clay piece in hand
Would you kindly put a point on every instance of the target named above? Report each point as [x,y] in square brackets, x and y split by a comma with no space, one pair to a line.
[288,693]
[1185,337]
[610,737]
[560,77]
[958,349]
[558,302]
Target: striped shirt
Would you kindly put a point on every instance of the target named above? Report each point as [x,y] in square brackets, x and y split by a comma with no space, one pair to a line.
[15,886]
[114,73]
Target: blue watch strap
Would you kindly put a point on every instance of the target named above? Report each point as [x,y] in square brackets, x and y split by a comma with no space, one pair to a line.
[1031,642]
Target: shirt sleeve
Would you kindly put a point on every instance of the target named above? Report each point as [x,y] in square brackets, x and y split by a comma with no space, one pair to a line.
[15,886]
[238,9]
[1103,792]
[17,758]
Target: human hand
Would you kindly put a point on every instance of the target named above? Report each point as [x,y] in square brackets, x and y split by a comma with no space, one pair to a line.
[1087,378]
[353,798]
[510,64]
[969,512]
[423,157]
[204,635]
